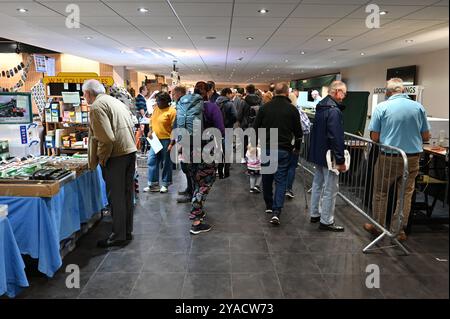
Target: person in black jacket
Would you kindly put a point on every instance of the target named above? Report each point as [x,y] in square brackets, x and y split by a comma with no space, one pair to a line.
[229,118]
[327,134]
[280,114]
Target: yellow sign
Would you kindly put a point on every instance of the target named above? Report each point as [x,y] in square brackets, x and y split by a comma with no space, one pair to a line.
[66,77]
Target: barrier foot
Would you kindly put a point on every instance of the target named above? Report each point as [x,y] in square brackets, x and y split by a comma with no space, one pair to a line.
[399,244]
[368,247]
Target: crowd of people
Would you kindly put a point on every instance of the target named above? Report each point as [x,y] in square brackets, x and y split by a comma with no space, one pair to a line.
[113,146]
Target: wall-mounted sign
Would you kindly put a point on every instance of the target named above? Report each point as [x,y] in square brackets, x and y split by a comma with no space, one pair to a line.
[40,63]
[79,78]
[409,89]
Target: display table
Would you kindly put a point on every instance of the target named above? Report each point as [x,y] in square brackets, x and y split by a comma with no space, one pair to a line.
[12,273]
[40,223]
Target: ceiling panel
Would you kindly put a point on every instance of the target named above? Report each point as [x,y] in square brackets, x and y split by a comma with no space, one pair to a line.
[206,21]
[34,10]
[394,12]
[52,22]
[157,22]
[276,10]
[188,9]
[309,22]
[104,21]
[430,13]
[256,22]
[324,11]
[87,9]
[406,3]
[130,8]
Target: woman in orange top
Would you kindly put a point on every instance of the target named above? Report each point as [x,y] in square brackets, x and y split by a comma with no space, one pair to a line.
[162,121]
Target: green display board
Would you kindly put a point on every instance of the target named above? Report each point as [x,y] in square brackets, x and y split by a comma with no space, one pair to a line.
[355,113]
[316,82]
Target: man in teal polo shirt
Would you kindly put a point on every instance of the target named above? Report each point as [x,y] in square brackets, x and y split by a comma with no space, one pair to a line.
[399,122]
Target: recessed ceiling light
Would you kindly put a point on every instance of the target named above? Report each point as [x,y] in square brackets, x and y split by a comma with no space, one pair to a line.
[286,60]
[302,52]
[334,61]
[243,52]
[330,39]
[362,53]
[169,38]
[250,38]
[409,41]
[22,10]
[382,13]
[143,10]
[88,38]
[262,11]
[268,70]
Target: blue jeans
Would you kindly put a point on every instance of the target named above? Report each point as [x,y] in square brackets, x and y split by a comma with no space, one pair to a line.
[155,161]
[323,198]
[276,202]
[291,171]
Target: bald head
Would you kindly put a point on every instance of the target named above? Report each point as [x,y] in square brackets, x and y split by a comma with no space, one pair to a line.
[337,90]
[281,88]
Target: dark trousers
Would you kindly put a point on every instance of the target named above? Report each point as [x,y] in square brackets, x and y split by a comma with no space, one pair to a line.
[276,201]
[189,188]
[119,178]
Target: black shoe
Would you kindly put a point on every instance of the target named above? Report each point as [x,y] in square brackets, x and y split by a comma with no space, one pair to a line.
[186,192]
[184,199]
[200,228]
[253,190]
[331,227]
[315,219]
[258,189]
[110,242]
[269,211]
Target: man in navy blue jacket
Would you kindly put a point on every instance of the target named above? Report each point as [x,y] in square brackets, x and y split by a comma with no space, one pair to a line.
[327,134]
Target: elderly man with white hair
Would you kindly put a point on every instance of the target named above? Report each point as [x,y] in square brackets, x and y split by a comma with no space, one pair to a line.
[316,96]
[402,123]
[327,135]
[112,145]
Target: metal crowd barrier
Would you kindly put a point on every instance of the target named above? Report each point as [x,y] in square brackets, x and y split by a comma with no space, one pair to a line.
[375,169]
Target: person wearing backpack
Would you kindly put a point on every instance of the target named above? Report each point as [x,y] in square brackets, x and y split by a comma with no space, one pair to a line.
[196,107]
[224,101]
[249,110]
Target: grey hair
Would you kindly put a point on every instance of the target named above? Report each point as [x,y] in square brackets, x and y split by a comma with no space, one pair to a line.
[336,85]
[94,87]
[395,85]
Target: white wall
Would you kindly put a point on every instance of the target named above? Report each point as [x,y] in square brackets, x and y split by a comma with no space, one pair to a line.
[119,75]
[432,73]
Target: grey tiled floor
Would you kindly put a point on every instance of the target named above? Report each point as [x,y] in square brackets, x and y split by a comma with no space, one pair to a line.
[244,256]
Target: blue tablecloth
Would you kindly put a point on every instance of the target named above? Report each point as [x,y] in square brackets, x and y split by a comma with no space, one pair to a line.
[12,273]
[39,224]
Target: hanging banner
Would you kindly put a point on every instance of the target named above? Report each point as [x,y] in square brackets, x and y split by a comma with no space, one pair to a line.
[64,77]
